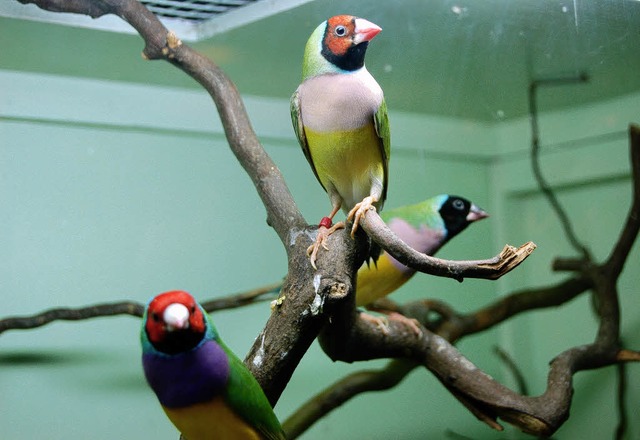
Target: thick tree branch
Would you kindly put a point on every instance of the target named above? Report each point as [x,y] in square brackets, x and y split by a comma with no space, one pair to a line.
[306,302]
[482,395]
[451,325]
[309,298]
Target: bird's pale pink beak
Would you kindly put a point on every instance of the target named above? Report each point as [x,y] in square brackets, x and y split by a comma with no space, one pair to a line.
[365,30]
[176,316]
[476,213]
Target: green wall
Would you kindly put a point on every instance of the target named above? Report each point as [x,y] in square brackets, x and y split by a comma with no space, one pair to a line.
[586,160]
[111,190]
[116,191]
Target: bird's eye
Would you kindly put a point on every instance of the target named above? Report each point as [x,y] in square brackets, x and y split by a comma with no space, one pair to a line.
[340,31]
[155,317]
[458,204]
[193,309]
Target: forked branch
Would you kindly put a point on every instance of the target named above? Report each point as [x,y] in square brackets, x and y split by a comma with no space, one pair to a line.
[487,399]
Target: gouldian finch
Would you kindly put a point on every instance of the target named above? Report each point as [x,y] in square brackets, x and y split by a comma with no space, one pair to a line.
[340,118]
[204,389]
[425,226]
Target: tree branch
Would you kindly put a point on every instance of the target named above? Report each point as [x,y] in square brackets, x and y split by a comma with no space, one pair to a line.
[491,269]
[621,249]
[543,185]
[621,403]
[460,325]
[71,314]
[341,391]
[487,399]
[306,303]
[451,325]
[511,365]
[242,299]
[482,395]
[131,308]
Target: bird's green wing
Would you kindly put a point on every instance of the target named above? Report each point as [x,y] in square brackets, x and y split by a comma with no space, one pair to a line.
[381,120]
[418,215]
[245,397]
[298,127]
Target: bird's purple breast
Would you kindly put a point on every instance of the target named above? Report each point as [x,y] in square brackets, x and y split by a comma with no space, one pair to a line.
[187,378]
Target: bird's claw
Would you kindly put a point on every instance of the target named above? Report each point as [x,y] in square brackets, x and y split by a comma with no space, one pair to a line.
[358,211]
[383,322]
[321,240]
[413,324]
[312,252]
[380,322]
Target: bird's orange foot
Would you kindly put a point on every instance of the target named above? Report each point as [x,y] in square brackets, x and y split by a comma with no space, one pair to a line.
[379,321]
[413,324]
[324,231]
[358,211]
[383,322]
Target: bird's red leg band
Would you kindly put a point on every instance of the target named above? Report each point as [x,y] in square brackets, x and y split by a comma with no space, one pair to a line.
[326,222]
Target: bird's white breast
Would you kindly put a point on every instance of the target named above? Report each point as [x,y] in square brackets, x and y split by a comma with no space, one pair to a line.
[340,101]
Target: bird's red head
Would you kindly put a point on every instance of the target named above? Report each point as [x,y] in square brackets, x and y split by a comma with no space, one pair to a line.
[343,40]
[174,322]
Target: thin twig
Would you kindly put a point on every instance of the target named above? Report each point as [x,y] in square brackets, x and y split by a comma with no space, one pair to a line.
[621,401]
[130,308]
[620,252]
[628,356]
[535,159]
[510,363]
[340,392]
[71,314]
[243,298]
[512,305]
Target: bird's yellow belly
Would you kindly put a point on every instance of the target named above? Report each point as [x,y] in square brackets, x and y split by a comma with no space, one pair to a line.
[210,421]
[374,282]
[348,161]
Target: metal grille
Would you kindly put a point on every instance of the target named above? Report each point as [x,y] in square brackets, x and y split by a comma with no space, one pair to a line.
[191,20]
[193,10]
